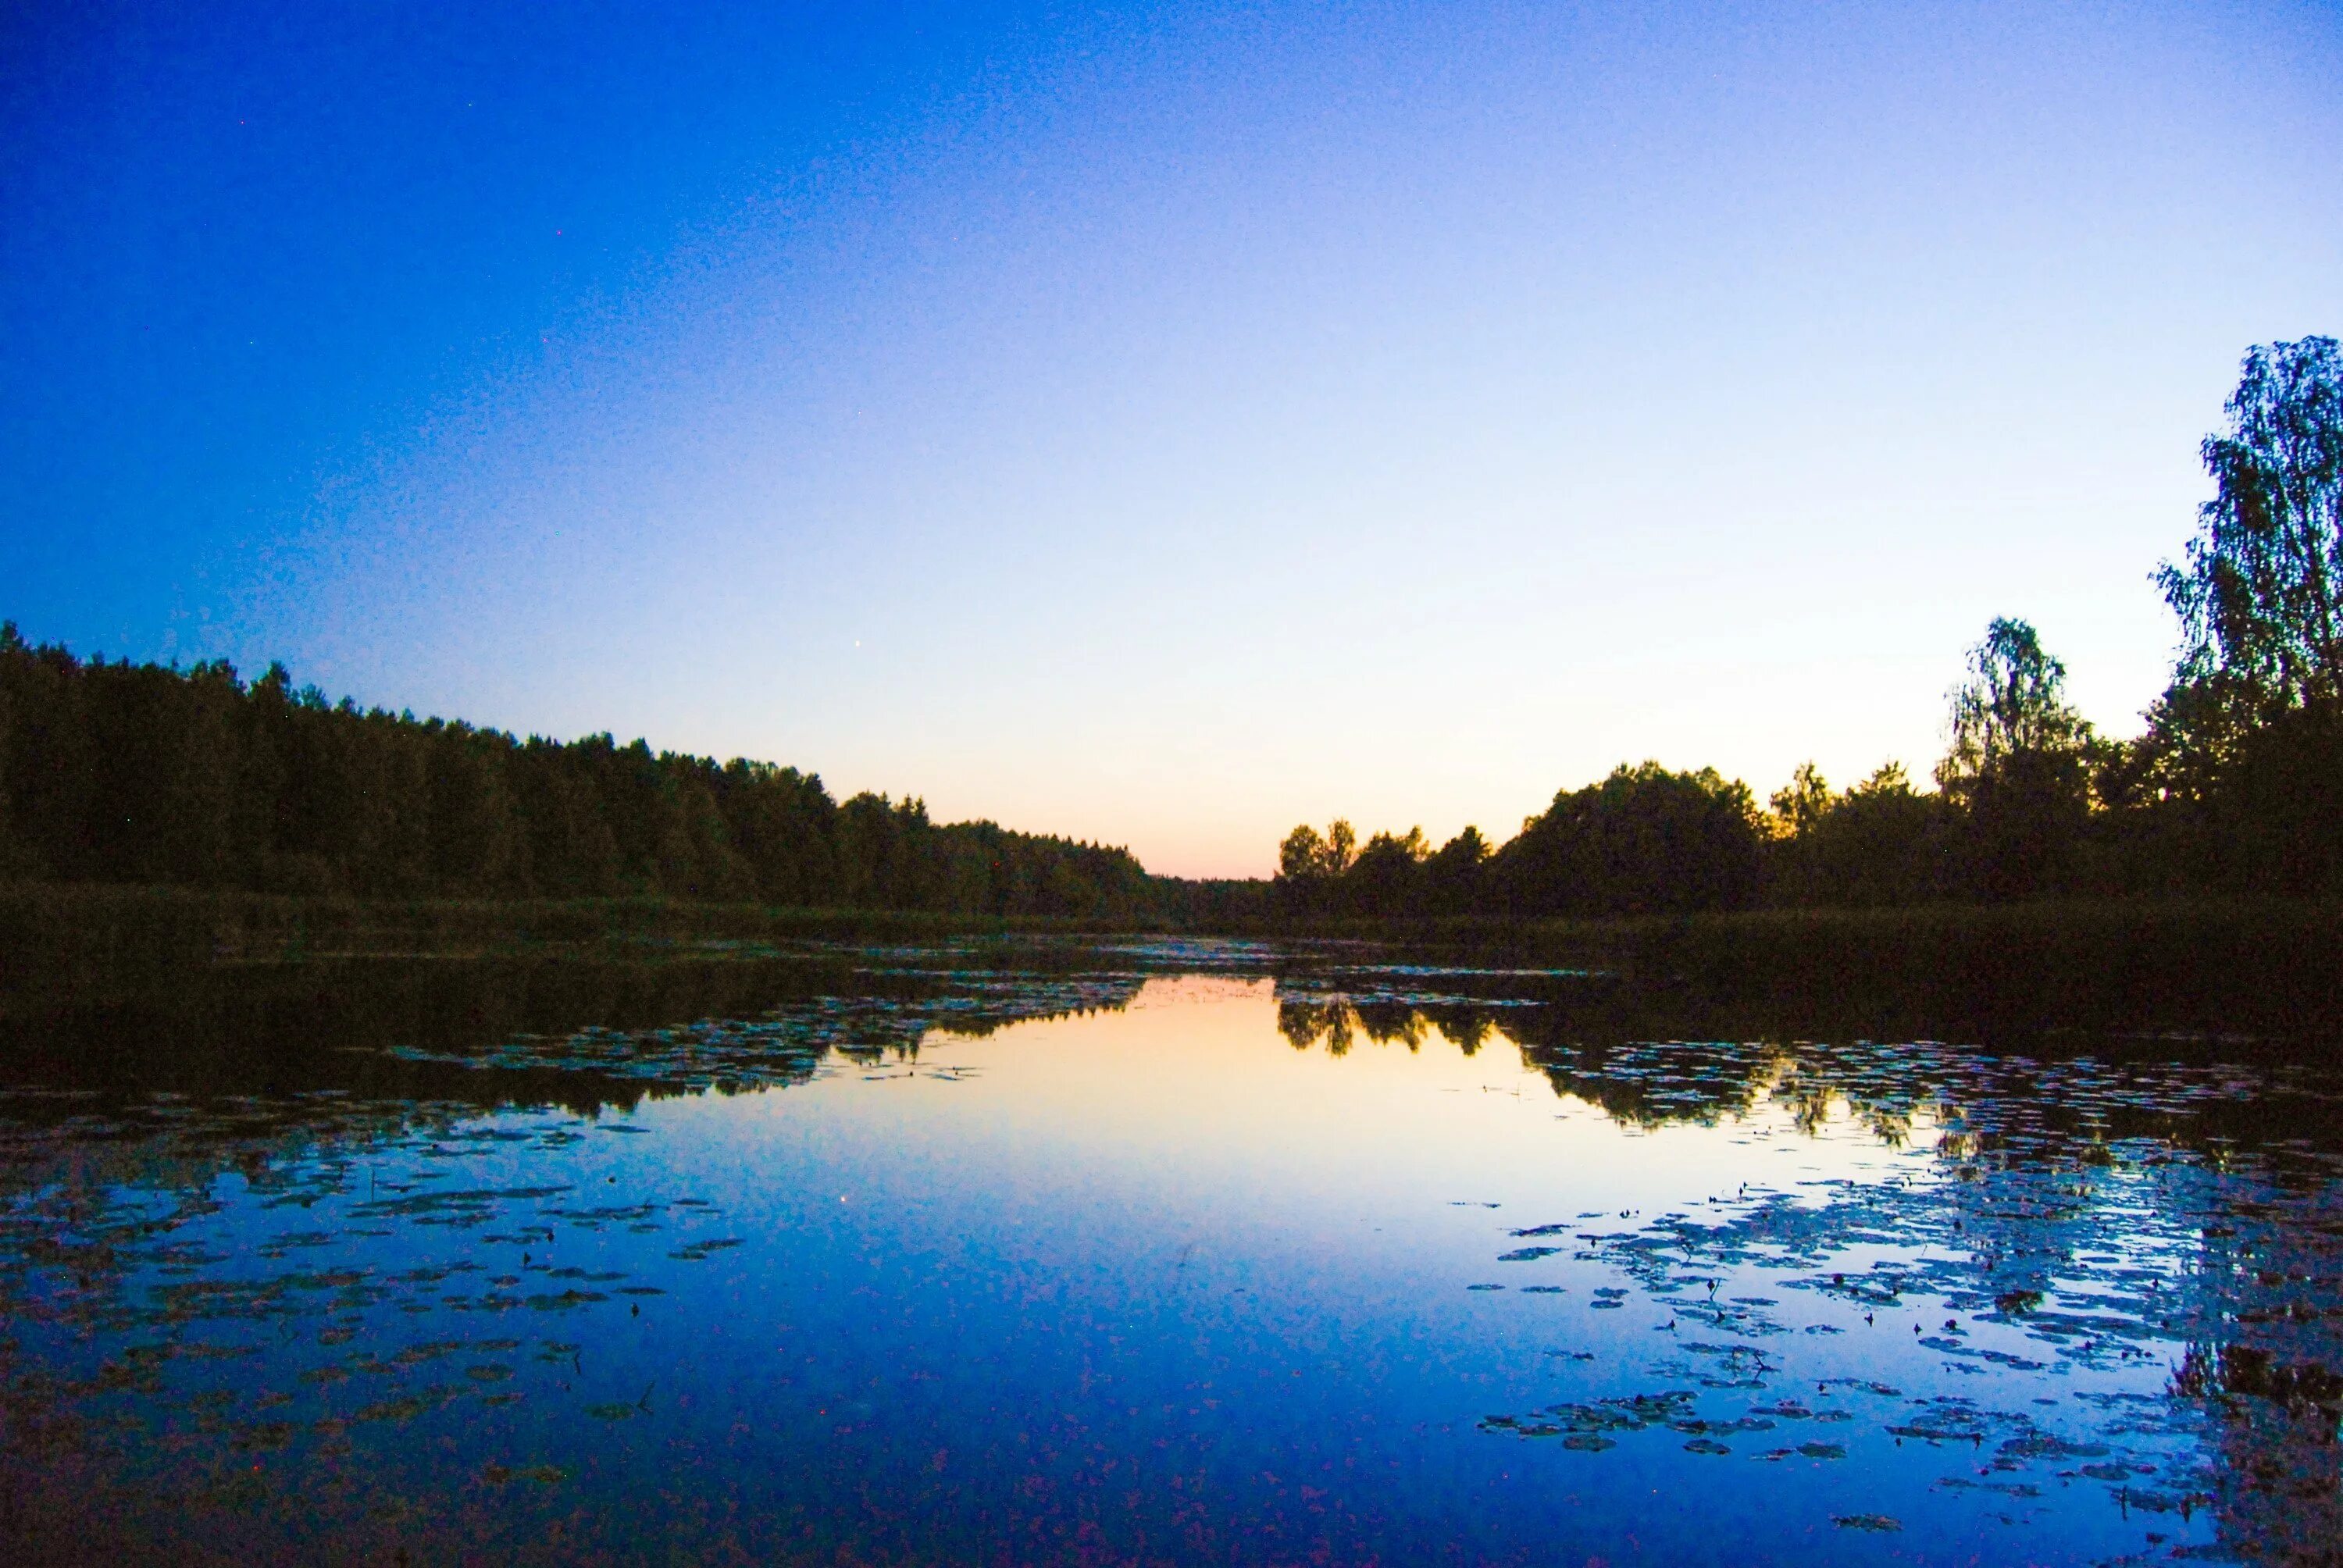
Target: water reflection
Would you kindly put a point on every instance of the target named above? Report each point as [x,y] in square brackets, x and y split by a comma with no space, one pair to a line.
[2106,1211]
[1016,1251]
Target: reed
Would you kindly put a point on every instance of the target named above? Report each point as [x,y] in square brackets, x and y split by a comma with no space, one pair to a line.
[97,940]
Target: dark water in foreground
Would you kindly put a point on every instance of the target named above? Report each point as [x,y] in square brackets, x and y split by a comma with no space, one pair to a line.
[1156,1254]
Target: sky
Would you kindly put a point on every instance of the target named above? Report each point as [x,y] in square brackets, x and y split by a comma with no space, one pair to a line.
[1154,424]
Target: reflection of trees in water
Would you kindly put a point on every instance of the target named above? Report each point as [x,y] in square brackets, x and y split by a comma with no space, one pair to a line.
[2266,1370]
[1638,1083]
[2033,1105]
[2278,1478]
[1337,1022]
[164,1351]
[266,1074]
[2108,1207]
[584,1035]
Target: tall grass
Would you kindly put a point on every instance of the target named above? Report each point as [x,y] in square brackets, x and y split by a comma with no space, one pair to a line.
[90,939]
[2200,966]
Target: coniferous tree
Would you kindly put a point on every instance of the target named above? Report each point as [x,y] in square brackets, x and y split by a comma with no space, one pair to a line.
[147,773]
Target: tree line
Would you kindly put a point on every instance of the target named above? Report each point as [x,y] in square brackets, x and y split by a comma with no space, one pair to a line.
[144,773]
[2235,785]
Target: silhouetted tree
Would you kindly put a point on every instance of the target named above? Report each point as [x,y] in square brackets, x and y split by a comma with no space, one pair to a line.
[1644,841]
[1302,853]
[1880,842]
[1310,867]
[1340,849]
[1456,879]
[2259,591]
[2012,704]
[1387,876]
[2019,765]
[1799,806]
[2243,755]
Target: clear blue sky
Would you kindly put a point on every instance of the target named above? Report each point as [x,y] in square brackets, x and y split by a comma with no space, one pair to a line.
[1155,424]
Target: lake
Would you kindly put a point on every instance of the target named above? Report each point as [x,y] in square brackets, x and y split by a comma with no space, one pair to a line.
[1152,1252]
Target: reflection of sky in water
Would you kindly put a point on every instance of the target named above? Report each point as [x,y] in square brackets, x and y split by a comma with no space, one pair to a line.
[1154,1284]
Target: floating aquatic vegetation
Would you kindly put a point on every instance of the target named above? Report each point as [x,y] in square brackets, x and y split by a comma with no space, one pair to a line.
[2061,1226]
[543,1475]
[2052,1283]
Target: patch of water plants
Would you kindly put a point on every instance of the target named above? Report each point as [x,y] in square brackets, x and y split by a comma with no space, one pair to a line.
[2089,1296]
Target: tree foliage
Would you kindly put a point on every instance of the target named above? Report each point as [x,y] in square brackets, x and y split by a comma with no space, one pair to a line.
[2242,763]
[1642,841]
[112,771]
[2259,590]
[1880,842]
[2012,707]
[2017,766]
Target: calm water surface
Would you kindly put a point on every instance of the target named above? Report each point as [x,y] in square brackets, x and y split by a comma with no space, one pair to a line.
[1159,1254]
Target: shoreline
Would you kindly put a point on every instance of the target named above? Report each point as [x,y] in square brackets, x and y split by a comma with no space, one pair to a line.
[2187,965]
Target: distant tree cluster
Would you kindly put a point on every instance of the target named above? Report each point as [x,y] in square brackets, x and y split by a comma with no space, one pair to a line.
[1643,841]
[122,772]
[2236,785]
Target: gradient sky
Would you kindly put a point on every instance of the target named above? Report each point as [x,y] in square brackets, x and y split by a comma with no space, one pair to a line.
[1155,424]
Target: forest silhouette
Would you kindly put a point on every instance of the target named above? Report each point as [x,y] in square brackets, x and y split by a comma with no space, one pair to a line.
[2235,787]
[141,773]
[115,772]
